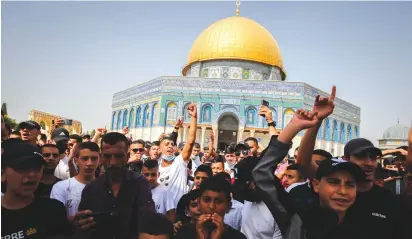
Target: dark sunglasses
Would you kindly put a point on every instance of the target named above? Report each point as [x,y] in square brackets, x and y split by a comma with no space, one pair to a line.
[244,152]
[116,156]
[138,150]
[47,155]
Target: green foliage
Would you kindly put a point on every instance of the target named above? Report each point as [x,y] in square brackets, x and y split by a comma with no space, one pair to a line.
[12,122]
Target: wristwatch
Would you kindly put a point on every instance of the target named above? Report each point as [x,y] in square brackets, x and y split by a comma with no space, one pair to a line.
[272,124]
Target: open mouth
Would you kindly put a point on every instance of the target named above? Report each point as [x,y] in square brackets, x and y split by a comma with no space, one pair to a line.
[341,201]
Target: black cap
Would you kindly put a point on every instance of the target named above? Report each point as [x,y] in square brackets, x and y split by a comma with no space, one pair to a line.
[243,169]
[60,134]
[22,156]
[242,146]
[29,124]
[181,145]
[86,136]
[356,146]
[329,166]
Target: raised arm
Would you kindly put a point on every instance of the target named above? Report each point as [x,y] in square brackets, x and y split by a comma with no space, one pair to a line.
[187,150]
[264,110]
[173,136]
[324,107]
[212,152]
[273,194]
[408,163]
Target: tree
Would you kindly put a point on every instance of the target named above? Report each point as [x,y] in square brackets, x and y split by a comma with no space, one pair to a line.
[42,125]
[7,120]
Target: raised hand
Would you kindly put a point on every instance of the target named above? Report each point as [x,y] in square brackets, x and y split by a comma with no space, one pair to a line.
[304,119]
[125,130]
[220,226]
[264,110]
[212,136]
[192,110]
[324,106]
[179,123]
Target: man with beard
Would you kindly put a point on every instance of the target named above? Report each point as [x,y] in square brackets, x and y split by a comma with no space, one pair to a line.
[111,204]
[173,169]
[257,221]
[137,150]
[51,155]
[29,131]
[154,151]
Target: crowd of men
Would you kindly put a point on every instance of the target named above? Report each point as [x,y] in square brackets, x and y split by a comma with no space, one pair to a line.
[109,186]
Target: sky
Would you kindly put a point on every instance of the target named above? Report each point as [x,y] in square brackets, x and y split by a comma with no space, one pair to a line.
[69,58]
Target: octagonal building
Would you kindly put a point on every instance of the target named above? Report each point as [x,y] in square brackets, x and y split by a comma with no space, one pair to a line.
[232,66]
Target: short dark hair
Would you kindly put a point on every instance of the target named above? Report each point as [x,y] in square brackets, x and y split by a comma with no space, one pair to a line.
[156,143]
[323,153]
[49,146]
[297,168]
[196,145]
[219,159]
[224,175]
[203,168]
[166,138]
[156,224]
[216,184]
[150,163]
[139,141]
[86,136]
[230,150]
[205,148]
[43,137]
[77,137]
[252,139]
[113,138]
[92,146]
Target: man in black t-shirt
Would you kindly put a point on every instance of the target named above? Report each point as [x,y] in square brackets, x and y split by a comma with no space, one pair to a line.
[24,215]
[51,155]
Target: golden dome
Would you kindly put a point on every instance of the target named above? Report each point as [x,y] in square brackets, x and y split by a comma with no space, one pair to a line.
[237,38]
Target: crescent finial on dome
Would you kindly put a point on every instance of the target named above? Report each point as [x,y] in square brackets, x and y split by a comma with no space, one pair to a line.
[237,8]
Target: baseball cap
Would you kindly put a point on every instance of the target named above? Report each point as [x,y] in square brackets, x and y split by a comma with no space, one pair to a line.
[181,145]
[29,124]
[329,166]
[242,146]
[243,169]
[360,145]
[60,134]
[22,156]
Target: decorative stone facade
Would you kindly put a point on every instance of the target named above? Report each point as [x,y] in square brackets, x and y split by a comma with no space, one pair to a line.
[45,121]
[151,108]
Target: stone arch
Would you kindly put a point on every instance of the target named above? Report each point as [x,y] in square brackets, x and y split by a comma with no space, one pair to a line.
[186,115]
[207,113]
[335,131]
[131,118]
[342,133]
[114,123]
[171,111]
[138,116]
[287,116]
[146,116]
[119,119]
[251,116]
[155,114]
[125,118]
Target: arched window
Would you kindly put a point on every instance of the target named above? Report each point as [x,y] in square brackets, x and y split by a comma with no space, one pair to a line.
[207,114]
[137,120]
[335,132]
[349,132]
[131,118]
[125,118]
[327,130]
[114,119]
[287,116]
[146,116]
[155,114]
[356,132]
[119,120]
[342,133]
[171,111]
[186,116]
[251,115]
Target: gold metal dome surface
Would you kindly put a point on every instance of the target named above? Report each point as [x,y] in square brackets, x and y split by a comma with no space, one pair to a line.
[236,38]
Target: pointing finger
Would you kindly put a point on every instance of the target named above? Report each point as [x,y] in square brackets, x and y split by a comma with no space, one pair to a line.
[333,94]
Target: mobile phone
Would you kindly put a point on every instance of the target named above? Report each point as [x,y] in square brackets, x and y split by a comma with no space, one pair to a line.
[264,103]
[52,122]
[68,122]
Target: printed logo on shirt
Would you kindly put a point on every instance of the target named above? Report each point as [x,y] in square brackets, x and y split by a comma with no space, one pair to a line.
[20,234]
[378,215]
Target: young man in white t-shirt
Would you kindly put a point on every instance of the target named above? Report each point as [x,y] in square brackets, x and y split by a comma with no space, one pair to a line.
[160,193]
[172,169]
[69,191]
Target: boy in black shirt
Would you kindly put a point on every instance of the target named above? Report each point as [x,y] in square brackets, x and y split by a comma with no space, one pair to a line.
[23,214]
[214,203]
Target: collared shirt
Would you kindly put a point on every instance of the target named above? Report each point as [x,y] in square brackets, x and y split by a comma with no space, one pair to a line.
[258,222]
[123,211]
[234,217]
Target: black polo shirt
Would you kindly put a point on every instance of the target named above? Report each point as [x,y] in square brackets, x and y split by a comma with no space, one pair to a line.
[377,212]
[121,213]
